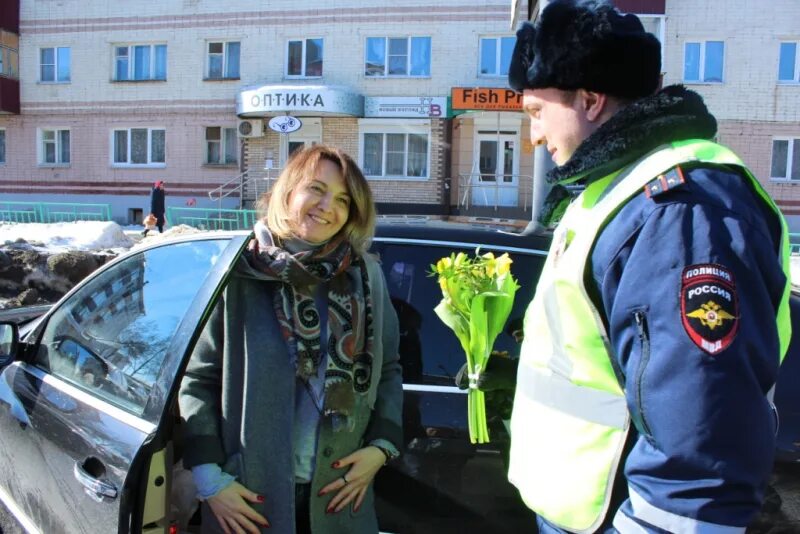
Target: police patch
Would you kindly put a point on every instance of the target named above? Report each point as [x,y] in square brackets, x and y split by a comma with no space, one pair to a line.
[709,306]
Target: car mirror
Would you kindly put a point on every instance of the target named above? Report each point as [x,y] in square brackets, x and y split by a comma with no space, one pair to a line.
[9,338]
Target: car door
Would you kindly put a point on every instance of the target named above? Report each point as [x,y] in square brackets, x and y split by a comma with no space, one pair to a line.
[76,412]
[443,483]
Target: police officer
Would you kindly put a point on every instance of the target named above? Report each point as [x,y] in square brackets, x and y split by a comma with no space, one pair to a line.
[661,316]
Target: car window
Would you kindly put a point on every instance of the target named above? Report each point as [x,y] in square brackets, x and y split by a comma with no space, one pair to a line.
[110,337]
[429,351]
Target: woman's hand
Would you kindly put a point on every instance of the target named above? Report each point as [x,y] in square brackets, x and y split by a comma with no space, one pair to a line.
[232,511]
[352,486]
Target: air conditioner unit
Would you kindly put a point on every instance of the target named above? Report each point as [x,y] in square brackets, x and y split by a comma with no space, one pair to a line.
[251,128]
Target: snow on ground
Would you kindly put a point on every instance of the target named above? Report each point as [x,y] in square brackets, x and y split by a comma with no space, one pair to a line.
[60,237]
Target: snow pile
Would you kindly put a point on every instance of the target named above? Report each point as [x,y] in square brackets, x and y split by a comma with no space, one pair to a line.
[61,237]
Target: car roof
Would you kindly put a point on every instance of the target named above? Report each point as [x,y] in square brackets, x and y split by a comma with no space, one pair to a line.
[489,232]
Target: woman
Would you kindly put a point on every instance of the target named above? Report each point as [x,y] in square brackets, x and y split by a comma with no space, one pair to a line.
[293,396]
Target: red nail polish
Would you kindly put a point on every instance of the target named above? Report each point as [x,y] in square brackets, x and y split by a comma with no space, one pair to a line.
[355,509]
[335,464]
[260,498]
[329,510]
[321,493]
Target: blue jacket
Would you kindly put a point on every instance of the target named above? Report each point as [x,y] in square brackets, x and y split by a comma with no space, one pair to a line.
[702,450]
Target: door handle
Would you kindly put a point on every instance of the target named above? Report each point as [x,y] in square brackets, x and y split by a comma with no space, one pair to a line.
[96,489]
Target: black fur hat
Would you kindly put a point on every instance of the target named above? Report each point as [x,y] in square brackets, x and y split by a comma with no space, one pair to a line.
[586,44]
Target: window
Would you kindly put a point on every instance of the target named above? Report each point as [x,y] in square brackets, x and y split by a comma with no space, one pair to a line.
[111,337]
[2,147]
[703,61]
[785,159]
[788,65]
[54,64]
[223,61]
[140,62]
[496,55]
[9,61]
[53,147]
[304,58]
[395,154]
[139,146]
[222,145]
[398,56]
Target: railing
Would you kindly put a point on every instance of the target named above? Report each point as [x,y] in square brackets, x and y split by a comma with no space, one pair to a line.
[247,187]
[212,219]
[225,190]
[48,212]
[491,187]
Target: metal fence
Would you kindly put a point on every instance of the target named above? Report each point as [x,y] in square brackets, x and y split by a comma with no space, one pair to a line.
[49,212]
[212,218]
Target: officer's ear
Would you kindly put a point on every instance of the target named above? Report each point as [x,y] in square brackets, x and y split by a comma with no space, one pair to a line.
[594,105]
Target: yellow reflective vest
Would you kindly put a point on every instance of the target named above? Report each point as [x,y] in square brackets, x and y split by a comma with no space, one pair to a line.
[570,418]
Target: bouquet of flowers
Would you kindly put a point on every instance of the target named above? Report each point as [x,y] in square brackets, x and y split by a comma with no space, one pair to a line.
[478,294]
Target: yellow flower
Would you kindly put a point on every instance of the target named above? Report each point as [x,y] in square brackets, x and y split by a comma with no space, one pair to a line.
[503,264]
[443,284]
[460,259]
[443,264]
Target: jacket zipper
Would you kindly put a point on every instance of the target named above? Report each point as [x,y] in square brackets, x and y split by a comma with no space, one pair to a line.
[641,326]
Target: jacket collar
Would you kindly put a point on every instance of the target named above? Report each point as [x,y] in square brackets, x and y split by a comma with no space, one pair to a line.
[672,114]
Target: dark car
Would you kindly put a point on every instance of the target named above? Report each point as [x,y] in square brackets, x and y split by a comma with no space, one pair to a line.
[91,438]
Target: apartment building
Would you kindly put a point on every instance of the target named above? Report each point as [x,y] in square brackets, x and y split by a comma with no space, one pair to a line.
[100,99]
[114,96]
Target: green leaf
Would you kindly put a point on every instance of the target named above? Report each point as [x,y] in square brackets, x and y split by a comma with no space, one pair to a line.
[456,322]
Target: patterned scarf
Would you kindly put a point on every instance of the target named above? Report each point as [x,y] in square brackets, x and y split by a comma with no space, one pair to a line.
[350,332]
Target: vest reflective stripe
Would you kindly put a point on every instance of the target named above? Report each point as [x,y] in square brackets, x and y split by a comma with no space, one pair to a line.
[589,404]
[564,454]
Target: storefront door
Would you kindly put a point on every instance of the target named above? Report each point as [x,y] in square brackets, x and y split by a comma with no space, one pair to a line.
[495,174]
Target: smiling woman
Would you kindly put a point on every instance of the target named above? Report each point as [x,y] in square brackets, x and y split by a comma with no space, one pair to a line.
[293,395]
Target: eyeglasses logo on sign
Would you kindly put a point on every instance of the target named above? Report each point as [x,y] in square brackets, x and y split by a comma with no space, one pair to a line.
[285,124]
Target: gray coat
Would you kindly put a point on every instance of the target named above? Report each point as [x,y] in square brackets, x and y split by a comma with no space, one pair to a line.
[237,400]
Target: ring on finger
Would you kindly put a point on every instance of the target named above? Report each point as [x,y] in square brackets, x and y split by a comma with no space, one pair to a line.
[344,479]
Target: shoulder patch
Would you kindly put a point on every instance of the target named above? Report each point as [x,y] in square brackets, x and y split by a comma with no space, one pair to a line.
[669,180]
[709,306]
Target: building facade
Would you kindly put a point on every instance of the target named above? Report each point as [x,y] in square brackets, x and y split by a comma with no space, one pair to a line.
[100,99]
[114,97]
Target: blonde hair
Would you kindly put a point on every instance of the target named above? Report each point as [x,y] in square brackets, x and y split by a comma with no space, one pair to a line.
[273,205]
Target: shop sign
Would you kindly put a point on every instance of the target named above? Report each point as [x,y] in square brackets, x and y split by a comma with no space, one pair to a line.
[405,106]
[306,100]
[485,99]
[285,124]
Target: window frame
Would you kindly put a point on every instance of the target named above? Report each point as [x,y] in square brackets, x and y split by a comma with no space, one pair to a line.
[128,165]
[304,66]
[395,126]
[225,64]
[498,39]
[222,142]
[789,157]
[132,65]
[386,55]
[796,73]
[57,140]
[55,65]
[702,61]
